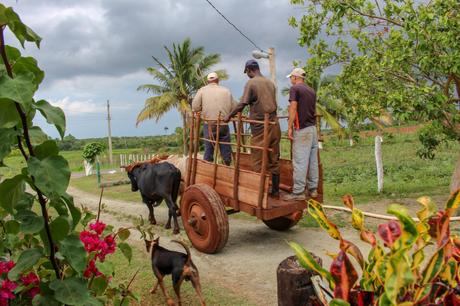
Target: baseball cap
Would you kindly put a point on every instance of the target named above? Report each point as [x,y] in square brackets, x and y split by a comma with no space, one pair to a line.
[212,76]
[251,64]
[298,72]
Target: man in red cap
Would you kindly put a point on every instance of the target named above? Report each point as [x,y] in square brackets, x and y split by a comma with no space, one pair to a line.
[260,95]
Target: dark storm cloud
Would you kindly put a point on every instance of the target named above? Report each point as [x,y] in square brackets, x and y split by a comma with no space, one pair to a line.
[98,50]
[115,37]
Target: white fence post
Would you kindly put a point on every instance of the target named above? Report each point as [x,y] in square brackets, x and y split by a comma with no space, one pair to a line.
[379,162]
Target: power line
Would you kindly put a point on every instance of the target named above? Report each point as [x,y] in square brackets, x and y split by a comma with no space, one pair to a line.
[236,28]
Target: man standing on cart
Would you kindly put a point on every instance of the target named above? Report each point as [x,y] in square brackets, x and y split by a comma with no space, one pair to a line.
[302,132]
[213,100]
[260,95]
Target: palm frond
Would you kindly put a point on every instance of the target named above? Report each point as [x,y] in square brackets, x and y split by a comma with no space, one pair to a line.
[156,107]
[330,120]
[152,88]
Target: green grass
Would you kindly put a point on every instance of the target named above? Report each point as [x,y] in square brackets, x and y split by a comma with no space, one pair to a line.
[15,161]
[121,192]
[346,170]
[352,170]
[213,294]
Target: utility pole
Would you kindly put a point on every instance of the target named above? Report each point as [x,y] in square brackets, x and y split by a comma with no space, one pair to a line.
[270,55]
[271,62]
[110,133]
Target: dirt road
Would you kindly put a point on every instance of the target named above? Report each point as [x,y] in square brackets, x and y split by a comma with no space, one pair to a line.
[248,263]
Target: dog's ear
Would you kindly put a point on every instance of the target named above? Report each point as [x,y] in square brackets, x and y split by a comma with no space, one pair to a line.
[148,244]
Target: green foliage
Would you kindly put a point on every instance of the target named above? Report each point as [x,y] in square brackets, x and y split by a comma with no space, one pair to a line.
[399,59]
[43,258]
[178,81]
[91,151]
[400,270]
[163,143]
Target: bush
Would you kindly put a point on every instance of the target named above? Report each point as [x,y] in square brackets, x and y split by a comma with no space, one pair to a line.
[398,270]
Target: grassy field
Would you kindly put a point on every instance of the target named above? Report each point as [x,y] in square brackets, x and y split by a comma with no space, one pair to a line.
[346,170]
[144,281]
[15,161]
[352,170]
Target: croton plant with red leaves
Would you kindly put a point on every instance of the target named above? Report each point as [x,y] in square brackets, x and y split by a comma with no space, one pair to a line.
[398,269]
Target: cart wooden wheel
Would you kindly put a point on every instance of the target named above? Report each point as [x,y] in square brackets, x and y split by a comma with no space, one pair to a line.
[283,223]
[204,218]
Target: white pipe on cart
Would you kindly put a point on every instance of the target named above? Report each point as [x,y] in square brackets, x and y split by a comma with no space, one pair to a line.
[377,216]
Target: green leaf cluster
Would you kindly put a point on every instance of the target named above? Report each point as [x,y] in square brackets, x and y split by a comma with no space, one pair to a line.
[39,224]
[398,59]
[91,151]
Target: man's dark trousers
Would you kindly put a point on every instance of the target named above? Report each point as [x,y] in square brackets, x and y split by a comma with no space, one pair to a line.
[210,132]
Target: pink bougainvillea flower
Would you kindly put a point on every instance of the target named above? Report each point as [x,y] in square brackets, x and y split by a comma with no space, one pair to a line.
[6,291]
[90,240]
[98,227]
[96,245]
[91,269]
[33,292]
[30,278]
[389,232]
[6,266]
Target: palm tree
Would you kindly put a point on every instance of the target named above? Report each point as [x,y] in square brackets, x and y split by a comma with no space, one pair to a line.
[177,82]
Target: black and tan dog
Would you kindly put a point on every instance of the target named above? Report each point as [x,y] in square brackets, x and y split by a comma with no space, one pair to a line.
[179,265]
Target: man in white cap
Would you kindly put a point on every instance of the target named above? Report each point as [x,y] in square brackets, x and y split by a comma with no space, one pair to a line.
[302,132]
[213,100]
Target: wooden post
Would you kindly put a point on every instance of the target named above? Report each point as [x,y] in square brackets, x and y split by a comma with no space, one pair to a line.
[264,163]
[294,284]
[236,169]
[190,151]
[216,150]
[196,146]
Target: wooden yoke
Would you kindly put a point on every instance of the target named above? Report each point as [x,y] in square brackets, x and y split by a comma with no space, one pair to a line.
[264,163]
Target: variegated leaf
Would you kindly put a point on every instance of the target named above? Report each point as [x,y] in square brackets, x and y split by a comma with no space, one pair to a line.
[348,201]
[429,208]
[353,250]
[308,262]
[357,219]
[409,229]
[433,267]
[389,232]
[368,237]
[344,275]
[316,211]
[453,203]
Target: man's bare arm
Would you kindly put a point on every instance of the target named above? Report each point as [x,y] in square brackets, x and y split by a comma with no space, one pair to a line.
[292,115]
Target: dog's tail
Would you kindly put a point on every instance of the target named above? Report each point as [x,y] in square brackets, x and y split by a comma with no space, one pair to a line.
[187,250]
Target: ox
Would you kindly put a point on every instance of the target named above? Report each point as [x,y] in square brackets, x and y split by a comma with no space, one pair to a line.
[157,181]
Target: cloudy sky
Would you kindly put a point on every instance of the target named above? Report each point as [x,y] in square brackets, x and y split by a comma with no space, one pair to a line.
[97,50]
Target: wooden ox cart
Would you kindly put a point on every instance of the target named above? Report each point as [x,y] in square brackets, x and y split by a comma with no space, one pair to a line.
[213,191]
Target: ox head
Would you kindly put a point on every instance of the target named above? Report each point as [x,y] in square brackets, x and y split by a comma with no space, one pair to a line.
[133,180]
[132,177]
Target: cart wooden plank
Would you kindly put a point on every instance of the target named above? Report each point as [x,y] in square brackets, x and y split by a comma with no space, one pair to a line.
[248,182]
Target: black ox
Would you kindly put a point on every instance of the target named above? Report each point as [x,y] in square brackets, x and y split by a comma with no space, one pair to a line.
[157,182]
